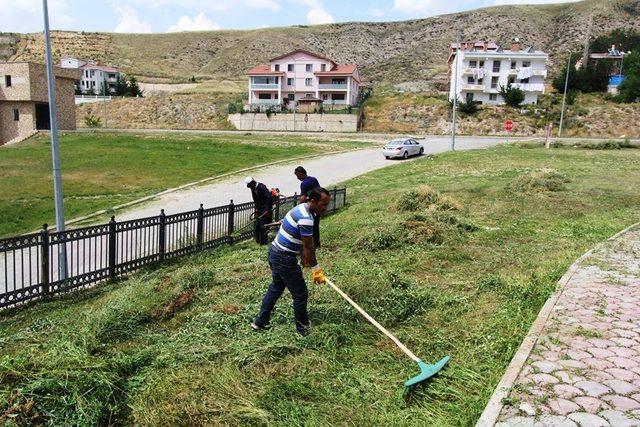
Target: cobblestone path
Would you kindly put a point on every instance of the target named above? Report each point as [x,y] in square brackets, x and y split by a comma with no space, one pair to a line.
[584,369]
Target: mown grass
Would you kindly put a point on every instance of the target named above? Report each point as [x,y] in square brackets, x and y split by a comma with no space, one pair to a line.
[105,169]
[172,346]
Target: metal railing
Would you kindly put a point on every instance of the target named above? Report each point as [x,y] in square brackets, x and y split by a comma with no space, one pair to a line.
[30,265]
[265,86]
[324,86]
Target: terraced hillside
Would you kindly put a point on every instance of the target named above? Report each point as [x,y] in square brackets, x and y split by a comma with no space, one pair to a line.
[410,52]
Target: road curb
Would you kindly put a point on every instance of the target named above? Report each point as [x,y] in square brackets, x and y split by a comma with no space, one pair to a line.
[491,412]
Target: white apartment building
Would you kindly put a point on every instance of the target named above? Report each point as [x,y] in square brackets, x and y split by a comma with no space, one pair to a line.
[94,76]
[484,67]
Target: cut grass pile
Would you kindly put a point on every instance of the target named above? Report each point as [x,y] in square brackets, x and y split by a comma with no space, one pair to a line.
[540,181]
[101,170]
[172,346]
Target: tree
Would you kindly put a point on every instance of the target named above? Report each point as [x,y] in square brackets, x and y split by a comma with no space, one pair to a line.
[629,90]
[468,107]
[592,78]
[121,86]
[512,96]
[132,87]
[631,64]
[104,89]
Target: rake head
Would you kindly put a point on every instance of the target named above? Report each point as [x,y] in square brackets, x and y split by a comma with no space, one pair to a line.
[426,372]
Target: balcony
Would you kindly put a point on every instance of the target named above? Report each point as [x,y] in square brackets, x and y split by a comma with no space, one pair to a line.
[264,86]
[334,102]
[530,87]
[333,86]
[468,86]
[513,72]
[540,73]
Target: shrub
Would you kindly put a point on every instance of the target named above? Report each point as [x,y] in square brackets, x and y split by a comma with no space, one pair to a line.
[92,121]
[512,96]
[545,180]
[468,108]
[629,90]
[232,108]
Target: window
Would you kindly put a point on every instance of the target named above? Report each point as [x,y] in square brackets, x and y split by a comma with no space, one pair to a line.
[7,81]
[511,80]
[264,96]
[275,96]
[470,80]
[496,66]
[526,64]
[16,114]
[290,82]
[513,65]
[307,82]
[325,96]
[308,95]
[338,96]
[494,82]
[493,97]
[481,64]
[323,67]
[309,68]
[289,67]
[479,81]
[525,80]
[276,67]
[469,97]
[473,64]
[291,97]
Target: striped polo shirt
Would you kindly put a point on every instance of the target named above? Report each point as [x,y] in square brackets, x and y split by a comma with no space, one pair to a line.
[296,224]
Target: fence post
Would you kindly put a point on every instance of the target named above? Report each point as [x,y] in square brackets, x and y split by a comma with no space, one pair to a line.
[200,227]
[112,248]
[44,259]
[295,198]
[335,200]
[230,221]
[162,235]
[344,197]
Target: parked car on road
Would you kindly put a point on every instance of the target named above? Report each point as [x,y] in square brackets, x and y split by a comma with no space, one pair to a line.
[402,148]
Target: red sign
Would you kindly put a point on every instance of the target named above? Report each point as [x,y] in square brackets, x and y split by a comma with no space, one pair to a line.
[508,125]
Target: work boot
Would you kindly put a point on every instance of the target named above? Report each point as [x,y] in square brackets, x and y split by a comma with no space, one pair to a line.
[257,327]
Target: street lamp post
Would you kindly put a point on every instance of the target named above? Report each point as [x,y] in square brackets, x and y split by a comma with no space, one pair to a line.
[55,152]
[455,90]
[564,96]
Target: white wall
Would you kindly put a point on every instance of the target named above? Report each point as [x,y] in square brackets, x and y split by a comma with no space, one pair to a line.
[285,122]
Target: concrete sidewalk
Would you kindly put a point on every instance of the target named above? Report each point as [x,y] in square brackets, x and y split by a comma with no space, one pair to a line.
[584,369]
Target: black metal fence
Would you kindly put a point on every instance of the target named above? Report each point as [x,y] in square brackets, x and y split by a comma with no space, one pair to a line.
[31,265]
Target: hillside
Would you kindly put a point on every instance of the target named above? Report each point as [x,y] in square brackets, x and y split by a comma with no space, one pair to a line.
[411,52]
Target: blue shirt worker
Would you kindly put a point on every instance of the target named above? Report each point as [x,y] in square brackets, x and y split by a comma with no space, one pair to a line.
[295,237]
[308,183]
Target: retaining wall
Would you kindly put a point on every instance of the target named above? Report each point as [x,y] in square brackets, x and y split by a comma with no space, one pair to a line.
[303,122]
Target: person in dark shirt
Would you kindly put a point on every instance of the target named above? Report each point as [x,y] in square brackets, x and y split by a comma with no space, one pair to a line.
[263,213]
[308,183]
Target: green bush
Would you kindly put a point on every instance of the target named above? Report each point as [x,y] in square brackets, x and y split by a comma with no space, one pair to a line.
[512,96]
[468,108]
[629,90]
[92,121]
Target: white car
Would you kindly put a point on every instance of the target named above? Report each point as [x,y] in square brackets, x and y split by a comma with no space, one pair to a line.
[402,148]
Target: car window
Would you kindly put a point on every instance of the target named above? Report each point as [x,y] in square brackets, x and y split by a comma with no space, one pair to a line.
[407,142]
[395,143]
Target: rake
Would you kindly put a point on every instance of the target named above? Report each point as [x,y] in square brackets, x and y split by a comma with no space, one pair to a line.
[426,371]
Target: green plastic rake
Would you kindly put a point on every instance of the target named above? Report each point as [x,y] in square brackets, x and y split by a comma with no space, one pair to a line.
[426,371]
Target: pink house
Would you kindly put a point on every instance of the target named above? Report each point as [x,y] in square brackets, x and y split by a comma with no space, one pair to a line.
[303,76]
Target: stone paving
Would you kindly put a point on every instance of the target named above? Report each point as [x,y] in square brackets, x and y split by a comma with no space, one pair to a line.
[584,370]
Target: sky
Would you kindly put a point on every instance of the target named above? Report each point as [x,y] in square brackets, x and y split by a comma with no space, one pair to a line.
[159,16]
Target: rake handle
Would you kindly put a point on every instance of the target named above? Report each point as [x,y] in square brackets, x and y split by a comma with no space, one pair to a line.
[373,322]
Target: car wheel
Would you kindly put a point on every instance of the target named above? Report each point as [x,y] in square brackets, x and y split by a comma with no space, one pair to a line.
[421,151]
[386,157]
[405,155]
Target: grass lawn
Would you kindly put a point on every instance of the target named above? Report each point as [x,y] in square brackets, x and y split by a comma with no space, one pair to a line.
[103,170]
[464,272]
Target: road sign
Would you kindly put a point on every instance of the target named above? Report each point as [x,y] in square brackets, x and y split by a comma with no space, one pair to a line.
[508,125]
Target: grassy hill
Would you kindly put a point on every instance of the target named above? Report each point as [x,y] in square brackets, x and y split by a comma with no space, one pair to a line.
[412,52]
[462,274]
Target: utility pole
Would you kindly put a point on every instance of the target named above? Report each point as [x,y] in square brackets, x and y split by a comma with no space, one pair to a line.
[455,88]
[55,152]
[564,96]
[295,83]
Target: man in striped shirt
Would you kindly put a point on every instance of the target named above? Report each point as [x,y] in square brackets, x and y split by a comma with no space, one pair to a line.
[294,238]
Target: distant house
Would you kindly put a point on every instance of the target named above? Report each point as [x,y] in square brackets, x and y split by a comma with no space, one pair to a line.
[617,58]
[94,76]
[486,66]
[303,78]
[24,106]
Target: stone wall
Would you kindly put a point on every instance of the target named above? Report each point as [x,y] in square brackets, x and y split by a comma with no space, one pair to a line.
[303,122]
[11,129]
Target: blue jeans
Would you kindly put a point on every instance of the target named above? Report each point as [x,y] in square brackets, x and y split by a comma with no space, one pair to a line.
[285,274]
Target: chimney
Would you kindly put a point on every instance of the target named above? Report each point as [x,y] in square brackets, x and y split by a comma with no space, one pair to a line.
[515,45]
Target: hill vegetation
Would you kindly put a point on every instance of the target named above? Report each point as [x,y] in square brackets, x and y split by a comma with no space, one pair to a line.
[410,53]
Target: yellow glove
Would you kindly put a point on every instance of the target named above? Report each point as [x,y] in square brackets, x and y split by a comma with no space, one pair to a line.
[318,275]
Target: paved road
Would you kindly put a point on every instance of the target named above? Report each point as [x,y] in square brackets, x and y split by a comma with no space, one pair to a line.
[330,170]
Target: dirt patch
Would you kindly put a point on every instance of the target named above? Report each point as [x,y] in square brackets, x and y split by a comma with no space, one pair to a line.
[179,303]
[9,377]
[227,308]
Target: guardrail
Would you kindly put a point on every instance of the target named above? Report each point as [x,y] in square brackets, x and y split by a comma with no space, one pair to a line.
[31,265]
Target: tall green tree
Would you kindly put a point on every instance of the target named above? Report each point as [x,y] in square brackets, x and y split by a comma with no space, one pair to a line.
[512,96]
[132,87]
[121,86]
